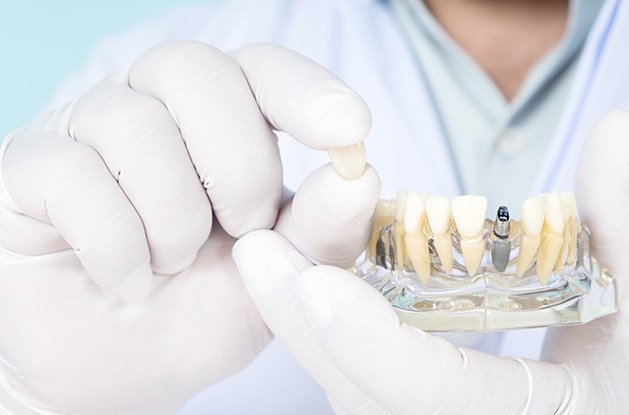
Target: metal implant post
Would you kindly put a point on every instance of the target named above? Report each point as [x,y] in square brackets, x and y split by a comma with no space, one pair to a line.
[500,245]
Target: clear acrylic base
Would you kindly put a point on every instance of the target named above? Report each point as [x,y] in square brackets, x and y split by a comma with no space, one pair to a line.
[575,293]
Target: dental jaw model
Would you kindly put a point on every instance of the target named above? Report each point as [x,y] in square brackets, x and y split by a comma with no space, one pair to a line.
[444,266]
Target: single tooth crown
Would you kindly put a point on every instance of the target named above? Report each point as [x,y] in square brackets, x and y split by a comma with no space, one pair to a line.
[349,162]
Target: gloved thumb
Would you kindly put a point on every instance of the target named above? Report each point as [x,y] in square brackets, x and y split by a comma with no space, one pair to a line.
[329,218]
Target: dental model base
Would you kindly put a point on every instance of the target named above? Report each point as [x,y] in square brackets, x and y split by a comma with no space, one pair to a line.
[444,266]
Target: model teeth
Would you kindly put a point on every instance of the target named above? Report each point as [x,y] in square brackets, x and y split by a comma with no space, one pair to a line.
[415,239]
[533,212]
[551,238]
[440,220]
[469,216]
[349,162]
[549,229]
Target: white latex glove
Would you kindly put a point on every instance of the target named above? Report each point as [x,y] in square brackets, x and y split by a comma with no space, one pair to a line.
[112,198]
[349,338]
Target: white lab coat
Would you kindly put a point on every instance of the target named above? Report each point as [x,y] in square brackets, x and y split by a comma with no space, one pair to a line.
[361,42]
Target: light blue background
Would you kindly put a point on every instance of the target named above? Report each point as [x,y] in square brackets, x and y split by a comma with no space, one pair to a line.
[42,41]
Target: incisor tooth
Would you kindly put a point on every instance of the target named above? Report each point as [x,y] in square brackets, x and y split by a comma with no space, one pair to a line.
[532,219]
[349,162]
[469,217]
[439,216]
[415,239]
[400,206]
[551,238]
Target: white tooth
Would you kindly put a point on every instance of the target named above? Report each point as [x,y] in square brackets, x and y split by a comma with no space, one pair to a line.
[469,216]
[440,220]
[551,238]
[349,162]
[533,212]
[415,239]
[415,212]
[400,206]
[385,208]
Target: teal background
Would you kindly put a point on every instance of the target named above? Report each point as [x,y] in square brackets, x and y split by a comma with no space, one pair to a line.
[42,41]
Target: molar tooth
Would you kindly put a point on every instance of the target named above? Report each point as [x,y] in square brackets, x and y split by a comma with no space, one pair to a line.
[440,221]
[349,162]
[551,238]
[469,213]
[533,212]
[415,239]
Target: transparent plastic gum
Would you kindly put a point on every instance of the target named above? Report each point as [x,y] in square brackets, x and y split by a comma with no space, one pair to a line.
[576,292]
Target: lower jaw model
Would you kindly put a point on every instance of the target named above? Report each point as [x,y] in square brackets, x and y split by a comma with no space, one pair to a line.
[445,267]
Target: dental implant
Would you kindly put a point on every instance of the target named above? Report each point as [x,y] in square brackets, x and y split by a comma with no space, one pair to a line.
[500,244]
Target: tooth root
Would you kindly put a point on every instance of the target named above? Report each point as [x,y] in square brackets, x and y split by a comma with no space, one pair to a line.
[349,162]
[473,251]
[469,217]
[549,250]
[418,254]
[528,249]
[552,238]
[415,239]
[439,215]
[443,245]
[532,219]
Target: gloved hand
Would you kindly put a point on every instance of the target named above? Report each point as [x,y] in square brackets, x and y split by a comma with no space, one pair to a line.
[110,200]
[351,341]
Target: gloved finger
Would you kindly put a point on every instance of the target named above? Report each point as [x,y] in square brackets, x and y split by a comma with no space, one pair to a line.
[309,103]
[143,150]
[411,372]
[230,143]
[329,219]
[603,190]
[57,180]
[268,265]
